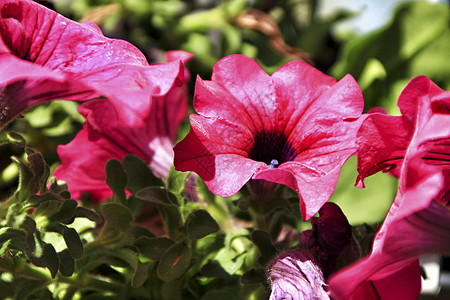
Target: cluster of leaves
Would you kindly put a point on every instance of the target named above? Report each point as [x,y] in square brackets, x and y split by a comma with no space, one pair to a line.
[55,247]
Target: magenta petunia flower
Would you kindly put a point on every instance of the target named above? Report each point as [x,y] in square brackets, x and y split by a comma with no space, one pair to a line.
[393,133]
[295,275]
[45,56]
[296,127]
[418,221]
[108,135]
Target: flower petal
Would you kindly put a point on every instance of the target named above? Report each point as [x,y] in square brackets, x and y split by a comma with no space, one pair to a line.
[219,158]
[76,59]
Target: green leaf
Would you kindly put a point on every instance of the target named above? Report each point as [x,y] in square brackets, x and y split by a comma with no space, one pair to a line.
[73,242]
[12,137]
[66,212]
[10,233]
[138,174]
[175,262]
[263,241]
[230,260]
[83,212]
[122,257]
[254,276]
[157,195]
[118,216]
[25,177]
[138,231]
[213,269]
[176,181]
[40,169]
[29,287]
[66,263]
[116,179]
[199,224]
[48,259]
[140,275]
[153,248]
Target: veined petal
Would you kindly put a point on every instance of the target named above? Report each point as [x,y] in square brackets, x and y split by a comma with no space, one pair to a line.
[252,90]
[48,50]
[296,127]
[86,173]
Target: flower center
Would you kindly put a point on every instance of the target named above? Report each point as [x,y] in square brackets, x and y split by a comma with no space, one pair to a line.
[273,148]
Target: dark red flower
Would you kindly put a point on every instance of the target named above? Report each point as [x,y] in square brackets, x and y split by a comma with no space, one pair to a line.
[296,127]
[330,239]
[45,56]
[418,221]
[107,134]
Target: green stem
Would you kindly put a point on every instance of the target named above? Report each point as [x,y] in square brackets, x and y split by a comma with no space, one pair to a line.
[220,212]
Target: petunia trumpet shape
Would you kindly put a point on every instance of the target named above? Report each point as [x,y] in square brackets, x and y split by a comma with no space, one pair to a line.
[296,127]
[418,221]
[107,135]
[45,56]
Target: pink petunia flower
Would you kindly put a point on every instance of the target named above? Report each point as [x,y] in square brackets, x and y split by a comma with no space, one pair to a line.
[45,56]
[107,135]
[296,127]
[418,221]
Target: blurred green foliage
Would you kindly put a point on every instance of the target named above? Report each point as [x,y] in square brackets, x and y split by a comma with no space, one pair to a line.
[57,248]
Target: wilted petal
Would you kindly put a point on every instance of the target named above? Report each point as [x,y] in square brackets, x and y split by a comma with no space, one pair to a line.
[295,276]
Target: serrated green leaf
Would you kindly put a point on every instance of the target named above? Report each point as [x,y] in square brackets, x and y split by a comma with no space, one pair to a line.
[174,263]
[153,248]
[140,275]
[199,224]
[83,212]
[157,195]
[66,263]
[138,173]
[116,179]
[73,242]
[118,216]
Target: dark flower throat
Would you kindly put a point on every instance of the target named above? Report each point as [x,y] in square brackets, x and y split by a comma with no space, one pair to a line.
[273,148]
